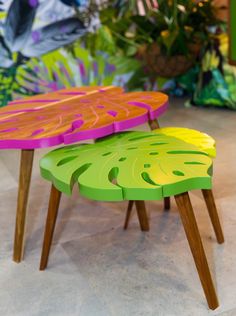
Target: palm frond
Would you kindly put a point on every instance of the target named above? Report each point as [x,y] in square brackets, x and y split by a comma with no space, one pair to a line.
[62,69]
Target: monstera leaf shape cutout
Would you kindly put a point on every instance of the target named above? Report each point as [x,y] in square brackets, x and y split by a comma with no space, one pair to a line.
[129,166]
[75,114]
[19,22]
[203,141]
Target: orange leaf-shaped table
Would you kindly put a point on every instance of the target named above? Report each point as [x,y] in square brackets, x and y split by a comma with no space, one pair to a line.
[68,116]
[75,114]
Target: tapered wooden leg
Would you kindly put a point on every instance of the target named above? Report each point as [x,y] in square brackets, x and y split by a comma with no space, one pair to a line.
[167,203]
[153,124]
[53,206]
[142,215]
[195,243]
[212,210]
[128,214]
[130,206]
[26,164]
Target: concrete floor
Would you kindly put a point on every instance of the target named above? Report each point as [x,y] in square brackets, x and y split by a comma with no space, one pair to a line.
[97,269]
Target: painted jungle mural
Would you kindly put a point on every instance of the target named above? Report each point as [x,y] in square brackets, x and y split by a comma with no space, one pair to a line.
[34,54]
[46,45]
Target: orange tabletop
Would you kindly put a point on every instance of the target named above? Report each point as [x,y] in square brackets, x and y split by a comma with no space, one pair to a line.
[75,114]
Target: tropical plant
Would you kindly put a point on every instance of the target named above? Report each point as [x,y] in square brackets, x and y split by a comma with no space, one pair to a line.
[134,32]
[216,78]
[62,69]
[19,42]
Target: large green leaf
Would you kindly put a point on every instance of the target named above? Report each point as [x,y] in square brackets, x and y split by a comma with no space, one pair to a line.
[130,165]
[124,64]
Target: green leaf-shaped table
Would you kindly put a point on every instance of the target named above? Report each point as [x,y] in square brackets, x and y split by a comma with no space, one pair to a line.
[142,165]
[135,166]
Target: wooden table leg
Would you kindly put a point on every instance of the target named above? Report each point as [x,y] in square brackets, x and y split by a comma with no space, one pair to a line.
[195,243]
[212,210]
[167,203]
[153,124]
[53,206]
[128,214]
[142,215]
[27,156]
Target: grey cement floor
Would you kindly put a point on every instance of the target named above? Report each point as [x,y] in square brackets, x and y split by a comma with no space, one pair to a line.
[96,268]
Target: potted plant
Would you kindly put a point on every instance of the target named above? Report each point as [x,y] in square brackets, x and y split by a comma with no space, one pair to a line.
[156,38]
